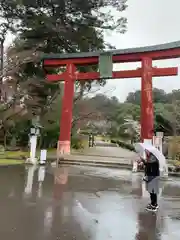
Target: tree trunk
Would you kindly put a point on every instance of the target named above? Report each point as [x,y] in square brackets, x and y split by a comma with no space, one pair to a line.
[5,139]
[40,141]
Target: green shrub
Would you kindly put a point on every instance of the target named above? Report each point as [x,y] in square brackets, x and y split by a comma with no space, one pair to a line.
[76,143]
[174,148]
[124,145]
[2,149]
[84,132]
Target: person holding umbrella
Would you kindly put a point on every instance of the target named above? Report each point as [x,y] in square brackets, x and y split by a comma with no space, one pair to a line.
[155,164]
[152,174]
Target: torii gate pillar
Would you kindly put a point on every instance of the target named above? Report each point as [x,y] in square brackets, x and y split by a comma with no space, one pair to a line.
[64,142]
[147,112]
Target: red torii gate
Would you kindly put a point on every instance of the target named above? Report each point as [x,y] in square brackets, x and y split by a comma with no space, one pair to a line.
[144,54]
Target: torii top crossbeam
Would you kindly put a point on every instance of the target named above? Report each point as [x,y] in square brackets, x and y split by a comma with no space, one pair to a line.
[143,54]
[156,52]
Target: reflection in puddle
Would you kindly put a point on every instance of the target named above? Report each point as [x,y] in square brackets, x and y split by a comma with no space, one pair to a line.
[30,178]
[65,203]
[61,175]
[150,226]
[41,177]
[60,181]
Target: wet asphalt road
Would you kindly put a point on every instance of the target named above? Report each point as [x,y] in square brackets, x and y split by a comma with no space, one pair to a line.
[83,203]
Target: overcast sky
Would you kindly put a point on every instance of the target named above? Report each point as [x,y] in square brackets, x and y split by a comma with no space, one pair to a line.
[150,22]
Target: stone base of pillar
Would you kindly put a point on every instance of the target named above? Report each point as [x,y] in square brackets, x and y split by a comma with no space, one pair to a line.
[63,148]
[33,161]
[147,141]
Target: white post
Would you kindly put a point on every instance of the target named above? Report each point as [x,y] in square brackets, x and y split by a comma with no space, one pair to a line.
[160,138]
[158,144]
[29,182]
[43,157]
[164,172]
[135,166]
[33,145]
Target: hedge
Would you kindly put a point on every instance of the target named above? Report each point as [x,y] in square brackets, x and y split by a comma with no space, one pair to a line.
[124,145]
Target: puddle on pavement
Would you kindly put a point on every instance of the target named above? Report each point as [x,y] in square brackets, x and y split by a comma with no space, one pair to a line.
[83,203]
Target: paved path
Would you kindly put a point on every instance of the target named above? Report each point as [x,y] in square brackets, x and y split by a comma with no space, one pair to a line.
[79,203]
[116,152]
[103,154]
[105,149]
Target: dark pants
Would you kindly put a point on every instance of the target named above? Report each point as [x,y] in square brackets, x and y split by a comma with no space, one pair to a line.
[153,197]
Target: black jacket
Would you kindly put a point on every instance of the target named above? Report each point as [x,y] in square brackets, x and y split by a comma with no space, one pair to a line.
[152,166]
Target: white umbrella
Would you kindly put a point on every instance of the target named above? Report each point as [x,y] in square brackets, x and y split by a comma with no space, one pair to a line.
[140,149]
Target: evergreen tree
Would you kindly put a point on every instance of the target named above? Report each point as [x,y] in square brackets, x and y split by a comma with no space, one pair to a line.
[52,26]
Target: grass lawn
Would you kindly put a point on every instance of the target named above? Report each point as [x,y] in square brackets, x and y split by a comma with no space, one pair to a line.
[14,154]
[22,154]
[10,162]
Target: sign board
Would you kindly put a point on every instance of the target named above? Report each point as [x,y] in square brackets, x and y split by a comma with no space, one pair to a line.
[160,134]
[43,155]
[105,65]
[33,130]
